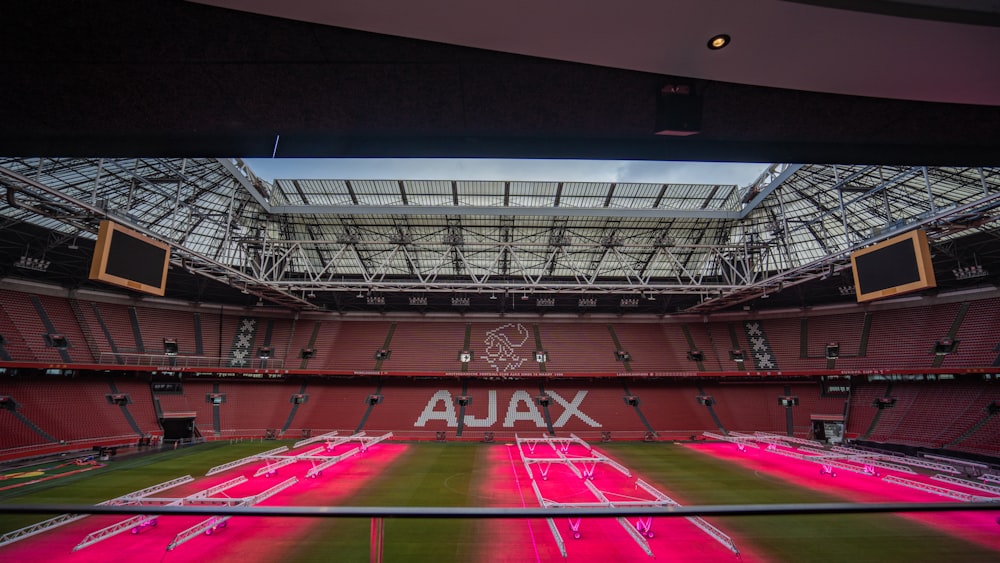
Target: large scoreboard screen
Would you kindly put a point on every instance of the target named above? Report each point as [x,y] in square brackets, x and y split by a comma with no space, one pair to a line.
[901,264]
[129,259]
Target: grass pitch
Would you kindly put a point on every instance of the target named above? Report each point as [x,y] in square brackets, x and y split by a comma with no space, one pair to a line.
[450,474]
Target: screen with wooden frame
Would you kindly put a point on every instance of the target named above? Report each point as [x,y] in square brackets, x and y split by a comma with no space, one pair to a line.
[129,259]
[901,264]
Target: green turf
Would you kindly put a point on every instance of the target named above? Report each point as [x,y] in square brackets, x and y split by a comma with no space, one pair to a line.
[430,474]
[426,475]
[123,476]
[701,479]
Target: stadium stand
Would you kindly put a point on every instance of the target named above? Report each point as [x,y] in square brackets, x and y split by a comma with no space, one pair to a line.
[862,411]
[602,407]
[904,338]
[69,409]
[338,404]
[671,408]
[427,346]
[844,329]
[355,348]
[404,404]
[930,412]
[577,347]
[978,336]
[784,336]
[306,336]
[64,321]
[140,403]
[115,318]
[949,414]
[14,343]
[891,419]
[748,407]
[251,408]
[982,439]
[649,348]
[155,325]
[503,347]
[29,325]
[17,433]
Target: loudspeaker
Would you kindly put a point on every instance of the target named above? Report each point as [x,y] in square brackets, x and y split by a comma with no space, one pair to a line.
[832,351]
[264,352]
[57,341]
[736,355]
[884,402]
[118,399]
[678,110]
[542,400]
[695,355]
[945,346]
[308,353]
[788,401]
[170,346]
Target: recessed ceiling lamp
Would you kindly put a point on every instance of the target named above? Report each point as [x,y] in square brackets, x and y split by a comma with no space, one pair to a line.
[718,41]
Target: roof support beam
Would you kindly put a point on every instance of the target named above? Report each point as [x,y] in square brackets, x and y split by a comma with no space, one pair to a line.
[502,211]
[766,190]
[242,176]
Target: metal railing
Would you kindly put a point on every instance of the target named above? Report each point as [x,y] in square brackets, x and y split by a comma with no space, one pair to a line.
[168,361]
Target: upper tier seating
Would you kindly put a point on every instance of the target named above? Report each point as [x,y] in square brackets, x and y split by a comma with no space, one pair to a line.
[898,338]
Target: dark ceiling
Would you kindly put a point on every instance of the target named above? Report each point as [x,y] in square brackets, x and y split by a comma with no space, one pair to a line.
[124,78]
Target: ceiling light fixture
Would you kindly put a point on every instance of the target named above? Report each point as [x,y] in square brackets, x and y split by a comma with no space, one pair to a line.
[718,41]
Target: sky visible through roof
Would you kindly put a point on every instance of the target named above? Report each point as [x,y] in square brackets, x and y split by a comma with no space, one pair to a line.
[541,170]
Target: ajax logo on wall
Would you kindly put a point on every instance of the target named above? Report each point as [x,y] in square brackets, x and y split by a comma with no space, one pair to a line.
[503,344]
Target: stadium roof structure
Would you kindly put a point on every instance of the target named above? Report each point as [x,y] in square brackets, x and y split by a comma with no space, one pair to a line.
[496,246]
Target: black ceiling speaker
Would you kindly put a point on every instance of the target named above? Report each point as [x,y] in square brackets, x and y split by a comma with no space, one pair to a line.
[832,351]
[678,110]
[58,341]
